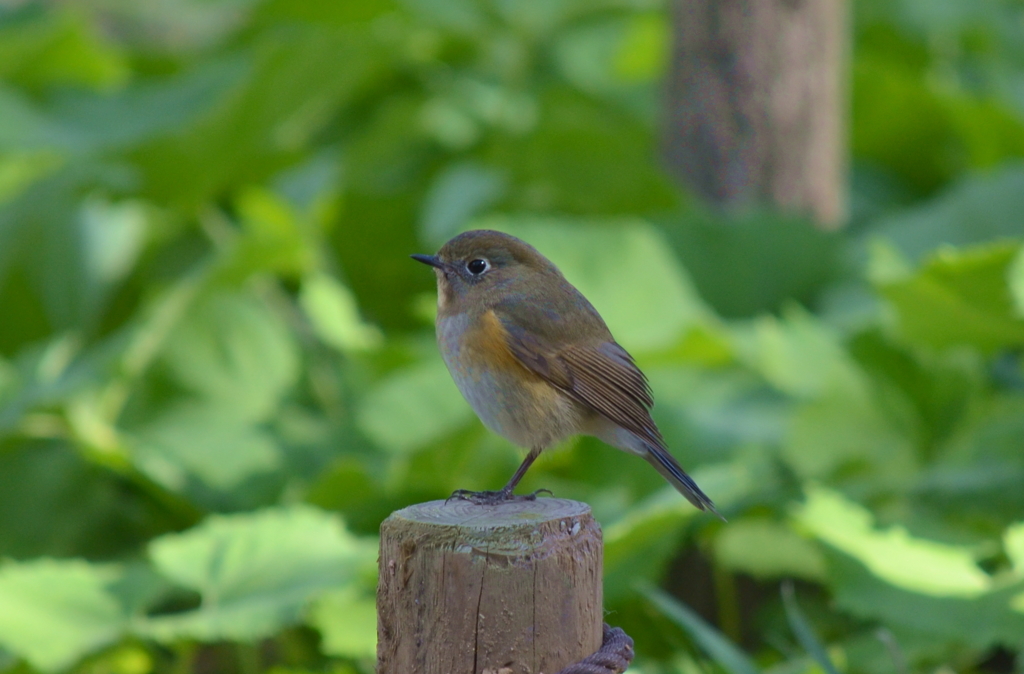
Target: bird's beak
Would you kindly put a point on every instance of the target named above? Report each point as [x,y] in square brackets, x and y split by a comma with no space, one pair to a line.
[432,260]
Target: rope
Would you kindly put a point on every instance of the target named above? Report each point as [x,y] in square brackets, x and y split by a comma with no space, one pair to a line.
[613,657]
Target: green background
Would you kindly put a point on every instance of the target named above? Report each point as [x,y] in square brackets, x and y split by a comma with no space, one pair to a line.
[218,371]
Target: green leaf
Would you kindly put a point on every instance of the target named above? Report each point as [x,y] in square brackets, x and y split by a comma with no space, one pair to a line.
[618,56]
[81,122]
[286,86]
[960,297]
[767,549]
[925,134]
[893,555]
[112,236]
[235,353]
[255,572]
[54,612]
[642,541]
[1015,279]
[799,355]
[41,240]
[312,187]
[332,309]
[126,658]
[886,263]
[1013,543]
[25,128]
[460,192]
[585,54]
[9,381]
[839,422]
[802,629]
[570,162]
[413,407]
[728,656]
[72,250]
[745,265]
[642,56]
[347,621]
[536,18]
[640,545]
[658,304]
[276,238]
[837,432]
[207,442]
[276,12]
[454,15]
[54,502]
[978,468]
[944,623]
[60,48]
[710,411]
[142,112]
[929,393]
[19,170]
[979,208]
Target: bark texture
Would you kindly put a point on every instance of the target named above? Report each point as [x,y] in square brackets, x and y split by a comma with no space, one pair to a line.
[470,589]
[756,103]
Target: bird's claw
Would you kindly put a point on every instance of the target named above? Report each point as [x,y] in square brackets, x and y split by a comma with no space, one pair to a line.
[493,497]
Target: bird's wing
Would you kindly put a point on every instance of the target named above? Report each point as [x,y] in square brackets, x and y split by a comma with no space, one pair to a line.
[601,375]
[586,363]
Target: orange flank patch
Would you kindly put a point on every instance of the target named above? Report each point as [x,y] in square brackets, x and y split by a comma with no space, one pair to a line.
[489,340]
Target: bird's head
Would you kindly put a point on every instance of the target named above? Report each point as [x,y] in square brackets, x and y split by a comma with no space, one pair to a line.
[478,267]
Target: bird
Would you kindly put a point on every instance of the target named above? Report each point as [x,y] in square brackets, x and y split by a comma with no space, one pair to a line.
[535,360]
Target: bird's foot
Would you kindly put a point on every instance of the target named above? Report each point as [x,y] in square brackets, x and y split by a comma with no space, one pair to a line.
[493,497]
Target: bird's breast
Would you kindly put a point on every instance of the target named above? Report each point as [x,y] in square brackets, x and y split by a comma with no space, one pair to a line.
[511,400]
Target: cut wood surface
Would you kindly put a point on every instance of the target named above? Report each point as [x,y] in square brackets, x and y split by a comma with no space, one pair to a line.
[468,589]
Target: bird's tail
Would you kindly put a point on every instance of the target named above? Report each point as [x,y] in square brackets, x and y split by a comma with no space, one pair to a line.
[670,469]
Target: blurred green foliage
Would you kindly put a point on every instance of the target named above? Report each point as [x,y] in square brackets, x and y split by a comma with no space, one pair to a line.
[217,368]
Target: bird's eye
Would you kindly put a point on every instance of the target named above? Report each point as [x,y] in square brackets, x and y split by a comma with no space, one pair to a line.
[477,266]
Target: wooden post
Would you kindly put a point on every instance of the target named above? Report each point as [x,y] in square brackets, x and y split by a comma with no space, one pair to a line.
[473,589]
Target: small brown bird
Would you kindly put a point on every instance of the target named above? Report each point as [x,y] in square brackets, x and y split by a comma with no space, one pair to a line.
[535,360]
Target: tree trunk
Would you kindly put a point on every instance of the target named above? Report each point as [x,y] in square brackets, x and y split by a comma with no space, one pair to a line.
[756,104]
